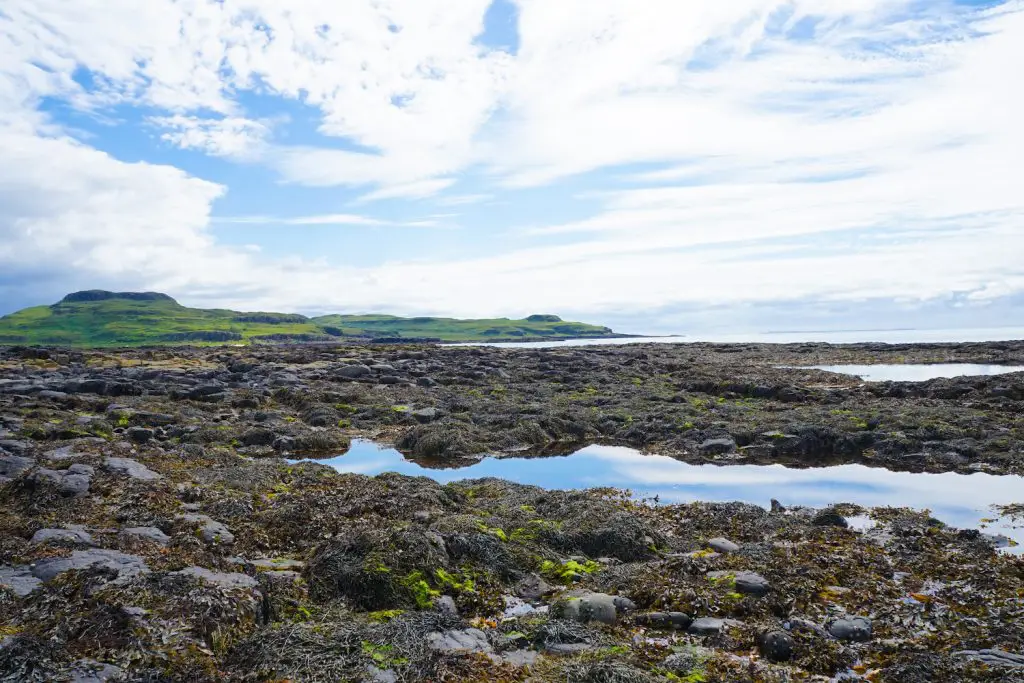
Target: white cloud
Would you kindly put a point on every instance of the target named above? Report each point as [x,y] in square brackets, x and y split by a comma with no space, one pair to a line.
[330,219]
[231,136]
[324,219]
[414,190]
[920,140]
[463,199]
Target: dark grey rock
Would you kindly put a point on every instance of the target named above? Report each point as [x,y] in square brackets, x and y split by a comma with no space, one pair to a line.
[223,579]
[125,565]
[532,587]
[426,414]
[276,564]
[389,379]
[686,660]
[467,641]
[12,466]
[146,533]
[91,671]
[665,620]
[853,629]
[776,646]
[353,371]
[750,583]
[446,605]
[210,530]
[130,468]
[568,648]
[585,607]
[49,394]
[995,657]
[829,517]
[718,446]
[15,447]
[205,391]
[18,580]
[426,382]
[723,545]
[519,658]
[63,537]
[139,434]
[800,625]
[377,675]
[706,626]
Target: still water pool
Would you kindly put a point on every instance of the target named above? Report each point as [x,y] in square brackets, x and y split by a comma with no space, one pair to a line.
[960,500]
[915,373]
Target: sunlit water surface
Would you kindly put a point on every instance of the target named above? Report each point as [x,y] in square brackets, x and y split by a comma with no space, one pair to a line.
[916,372]
[987,334]
[960,500]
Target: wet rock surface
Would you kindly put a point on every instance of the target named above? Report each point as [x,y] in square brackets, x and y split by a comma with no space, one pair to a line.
[150,529]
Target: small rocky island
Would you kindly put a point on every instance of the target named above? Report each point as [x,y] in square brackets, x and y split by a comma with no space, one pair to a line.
[156,523]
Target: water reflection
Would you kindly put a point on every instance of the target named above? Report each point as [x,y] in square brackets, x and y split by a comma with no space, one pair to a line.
[796,337]
[917,373]
[959,500]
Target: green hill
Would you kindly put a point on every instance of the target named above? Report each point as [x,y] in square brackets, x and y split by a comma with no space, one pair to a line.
[101,318]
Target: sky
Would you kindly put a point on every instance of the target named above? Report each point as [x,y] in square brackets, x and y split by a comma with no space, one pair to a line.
[655,165]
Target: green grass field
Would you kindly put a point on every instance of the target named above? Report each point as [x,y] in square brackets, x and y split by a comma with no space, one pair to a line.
[99,318]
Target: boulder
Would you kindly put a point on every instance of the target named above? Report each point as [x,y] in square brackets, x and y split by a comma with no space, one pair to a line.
[124,565]
[706,626]
[353,371]
[665,620]
[829,517]
[467,641]
[210,530]
[723,545]
[130,468]
[12,466]
[139,434]
[585,607]
[222,579]
[994,657]
[718,446]
[18,580]
[852,629]
[776,646]
[532,587]
[91,671]
[62,537]
[750,583]
[146,533]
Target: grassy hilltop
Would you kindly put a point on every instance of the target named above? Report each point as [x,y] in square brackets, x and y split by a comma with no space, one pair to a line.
[100,318]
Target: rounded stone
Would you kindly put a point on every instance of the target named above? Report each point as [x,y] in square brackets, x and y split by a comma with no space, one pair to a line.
[776,646]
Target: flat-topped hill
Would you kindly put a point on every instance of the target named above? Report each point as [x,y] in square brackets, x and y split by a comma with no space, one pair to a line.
[102,318]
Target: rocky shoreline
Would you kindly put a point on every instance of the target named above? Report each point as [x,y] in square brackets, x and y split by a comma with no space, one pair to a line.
[151,528]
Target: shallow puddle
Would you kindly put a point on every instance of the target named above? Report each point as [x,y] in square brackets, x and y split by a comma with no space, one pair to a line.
[914,373]
[959,500]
